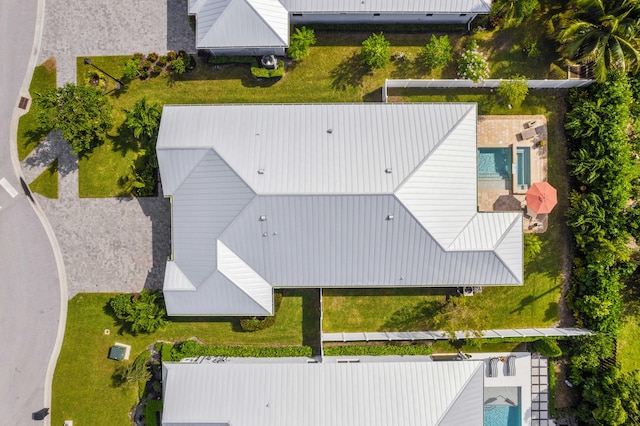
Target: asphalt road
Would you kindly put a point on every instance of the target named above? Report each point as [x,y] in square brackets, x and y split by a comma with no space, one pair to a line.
[30,295]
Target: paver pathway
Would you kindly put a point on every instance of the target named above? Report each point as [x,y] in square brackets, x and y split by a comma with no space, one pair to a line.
[75,28]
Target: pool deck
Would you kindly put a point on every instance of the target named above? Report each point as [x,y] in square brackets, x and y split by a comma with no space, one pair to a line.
[502,131]
[532,379]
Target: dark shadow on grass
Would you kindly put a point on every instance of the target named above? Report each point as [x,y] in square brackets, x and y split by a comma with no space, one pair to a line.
[349,73]
[392,291]
[124,141]
[551,312]
[310,316]
[413,318]
[530,299]
[374,96]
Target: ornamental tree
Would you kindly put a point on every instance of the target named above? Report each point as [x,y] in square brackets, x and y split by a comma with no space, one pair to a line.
[375,51]
[437,53]
[473,64]
[514,91]
[82,114]
[301,40]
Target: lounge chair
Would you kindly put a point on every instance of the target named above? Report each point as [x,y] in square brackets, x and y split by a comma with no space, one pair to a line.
[493,367]
[511,365]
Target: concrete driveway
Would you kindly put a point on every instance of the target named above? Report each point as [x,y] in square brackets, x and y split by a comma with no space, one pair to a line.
[75,28]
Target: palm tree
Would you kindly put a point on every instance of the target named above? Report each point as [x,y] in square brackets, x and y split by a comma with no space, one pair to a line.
[605,33]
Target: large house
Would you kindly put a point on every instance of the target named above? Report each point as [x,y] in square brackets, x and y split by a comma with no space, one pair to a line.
[292,392]
[325,196]
[256,27]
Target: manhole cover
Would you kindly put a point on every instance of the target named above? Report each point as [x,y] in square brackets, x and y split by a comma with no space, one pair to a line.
[23,102]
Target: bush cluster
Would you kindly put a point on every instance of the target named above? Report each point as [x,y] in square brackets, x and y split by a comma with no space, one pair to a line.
[367,350]
[602,168]
[255,323]
[144,312]
[547,347]
[152,65]
[191,349]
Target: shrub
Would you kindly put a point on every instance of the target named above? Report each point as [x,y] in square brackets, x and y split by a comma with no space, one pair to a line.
[301,40]
[171,55]
[375,51]
[255,323]
[162,61]
[144,75]
[135,372]
[532,247]
[260,72]
[178,66]
[473,65]
[145,66]
[514,91]
[191,349]
[437,53]
[157,69]
[130,70]
[151,410]
[367,350]
[152,57]
[144,312]
[547,347]
[138,56]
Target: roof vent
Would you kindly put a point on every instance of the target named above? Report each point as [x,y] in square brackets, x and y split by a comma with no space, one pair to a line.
[263,217]
[260,171]
[388,170]
[390,217]
[329,131]
[266,234]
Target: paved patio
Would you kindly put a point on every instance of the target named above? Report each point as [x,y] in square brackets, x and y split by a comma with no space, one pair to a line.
[502,131]
[75,28]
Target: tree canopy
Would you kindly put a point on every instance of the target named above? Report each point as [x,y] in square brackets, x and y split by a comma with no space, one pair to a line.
[605,33]
[301,40]
[82,114]
[375,51]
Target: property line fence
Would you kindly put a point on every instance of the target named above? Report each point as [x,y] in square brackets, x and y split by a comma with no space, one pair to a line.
[484,84]
[442,335]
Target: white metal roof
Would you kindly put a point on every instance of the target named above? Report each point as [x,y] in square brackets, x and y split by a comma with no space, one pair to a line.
[389,6]
[273,393]
[386,198]
[240,23]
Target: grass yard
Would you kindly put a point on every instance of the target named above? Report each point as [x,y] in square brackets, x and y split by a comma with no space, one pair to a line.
[628,347]
[83,389]
[47,183]
[535,304]
[29,132]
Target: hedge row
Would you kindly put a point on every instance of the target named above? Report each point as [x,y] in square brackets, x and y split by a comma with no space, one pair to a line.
[191,349]
[377,350]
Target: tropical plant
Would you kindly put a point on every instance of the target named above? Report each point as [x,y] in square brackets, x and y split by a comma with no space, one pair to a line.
[301,40]
[437,53]
[137,371]
[375,51]
[178,65]
[144,312]
[82,114]
[514,91]
[532,247]
[511,13]
[143,119]
[605,33]
[473,64]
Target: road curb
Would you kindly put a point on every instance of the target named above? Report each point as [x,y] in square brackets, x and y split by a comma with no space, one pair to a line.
[13,143]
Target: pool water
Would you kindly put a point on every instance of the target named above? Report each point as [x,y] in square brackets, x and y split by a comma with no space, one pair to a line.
[524,167]
[494,163]
[502,415]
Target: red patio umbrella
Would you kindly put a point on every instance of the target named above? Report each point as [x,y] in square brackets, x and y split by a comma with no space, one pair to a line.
[541,197]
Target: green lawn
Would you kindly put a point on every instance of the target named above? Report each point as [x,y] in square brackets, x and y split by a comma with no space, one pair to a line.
[47,183]
[535,304]
[82,386]
[628,347]
[29,132]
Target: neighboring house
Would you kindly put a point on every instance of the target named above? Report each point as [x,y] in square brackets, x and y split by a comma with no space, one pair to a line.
[325,195]
[286,392]
[258,27]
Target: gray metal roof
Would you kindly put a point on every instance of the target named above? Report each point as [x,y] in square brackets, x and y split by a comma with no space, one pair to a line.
[389,6]
[240,23]
[264,196]
[339,394]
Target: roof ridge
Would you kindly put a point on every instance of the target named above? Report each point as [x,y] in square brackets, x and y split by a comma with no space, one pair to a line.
[251,5]
[472,376]
[501,239]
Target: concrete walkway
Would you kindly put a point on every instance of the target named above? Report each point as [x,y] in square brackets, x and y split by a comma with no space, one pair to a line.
[75,28]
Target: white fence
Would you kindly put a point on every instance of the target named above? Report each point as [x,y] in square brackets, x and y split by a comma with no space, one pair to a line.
[441,335]
[485,84]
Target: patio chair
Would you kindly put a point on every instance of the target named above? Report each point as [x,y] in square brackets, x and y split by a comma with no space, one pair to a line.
[511,365]
[493,367]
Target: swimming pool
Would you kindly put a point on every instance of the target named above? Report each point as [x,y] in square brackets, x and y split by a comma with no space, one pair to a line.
[502,415]
[494,168]
[523,156]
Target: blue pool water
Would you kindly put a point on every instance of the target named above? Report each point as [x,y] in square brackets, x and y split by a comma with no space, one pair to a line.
[524,167]
[494,164]
[502,415]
